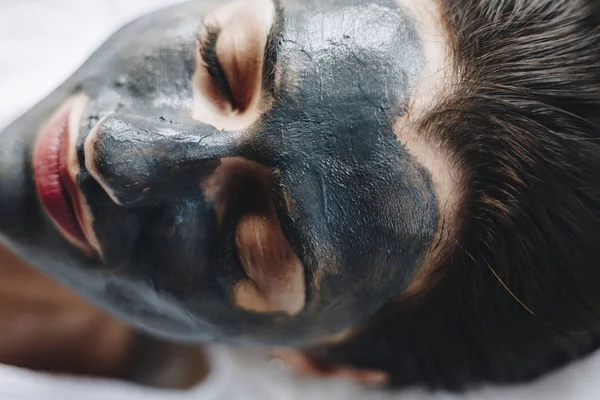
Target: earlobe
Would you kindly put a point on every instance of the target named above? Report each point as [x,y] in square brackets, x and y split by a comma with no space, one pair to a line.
[304,364]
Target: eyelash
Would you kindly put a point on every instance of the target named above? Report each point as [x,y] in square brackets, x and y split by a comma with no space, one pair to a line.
[208,52]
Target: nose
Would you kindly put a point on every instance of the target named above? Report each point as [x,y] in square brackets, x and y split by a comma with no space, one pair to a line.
[139,160]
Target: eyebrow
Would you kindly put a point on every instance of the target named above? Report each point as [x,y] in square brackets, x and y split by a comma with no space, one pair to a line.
[208,52]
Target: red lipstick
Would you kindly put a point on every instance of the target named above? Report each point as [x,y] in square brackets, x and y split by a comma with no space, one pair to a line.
[56,188]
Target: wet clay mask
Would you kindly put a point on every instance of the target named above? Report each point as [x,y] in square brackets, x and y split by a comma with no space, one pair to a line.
[229,172]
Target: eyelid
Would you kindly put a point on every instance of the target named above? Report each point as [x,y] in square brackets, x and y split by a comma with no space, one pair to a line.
[236,54]
[208,52]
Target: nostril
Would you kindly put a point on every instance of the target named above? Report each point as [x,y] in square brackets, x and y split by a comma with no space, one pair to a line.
[90,150]
[140,161]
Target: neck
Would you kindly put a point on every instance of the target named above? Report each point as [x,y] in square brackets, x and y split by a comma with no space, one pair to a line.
[47,327]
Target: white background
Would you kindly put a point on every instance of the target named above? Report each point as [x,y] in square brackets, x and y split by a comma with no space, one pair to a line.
[43,41]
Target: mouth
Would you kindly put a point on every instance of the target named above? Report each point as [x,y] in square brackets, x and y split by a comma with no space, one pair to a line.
[56,184]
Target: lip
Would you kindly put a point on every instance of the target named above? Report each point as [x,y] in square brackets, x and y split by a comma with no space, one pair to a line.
[56,187]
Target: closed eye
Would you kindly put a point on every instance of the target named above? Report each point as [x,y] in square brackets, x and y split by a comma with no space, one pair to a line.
[208,52]
[236,63]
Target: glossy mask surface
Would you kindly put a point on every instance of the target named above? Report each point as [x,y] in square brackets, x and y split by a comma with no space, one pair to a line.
[329,182]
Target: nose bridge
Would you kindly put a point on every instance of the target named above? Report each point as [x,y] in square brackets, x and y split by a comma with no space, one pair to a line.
[140,160]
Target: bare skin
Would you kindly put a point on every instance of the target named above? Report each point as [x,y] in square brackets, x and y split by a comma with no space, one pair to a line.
[47,327]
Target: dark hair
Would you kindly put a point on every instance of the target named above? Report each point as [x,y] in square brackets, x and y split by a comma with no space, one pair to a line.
[518,293]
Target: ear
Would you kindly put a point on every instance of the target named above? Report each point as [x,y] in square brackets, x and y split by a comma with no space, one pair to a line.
[307,365]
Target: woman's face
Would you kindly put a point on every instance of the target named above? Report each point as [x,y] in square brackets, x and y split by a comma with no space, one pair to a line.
[231,172]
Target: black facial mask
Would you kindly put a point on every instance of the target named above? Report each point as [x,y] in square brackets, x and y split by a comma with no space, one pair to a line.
[356,208]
